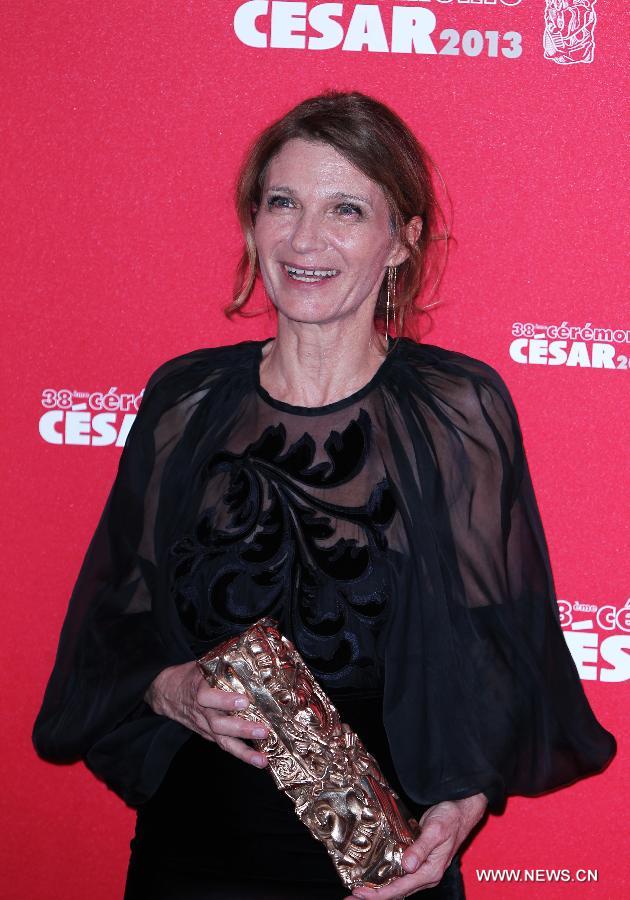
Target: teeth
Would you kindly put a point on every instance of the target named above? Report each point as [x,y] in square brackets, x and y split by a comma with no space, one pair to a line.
[310,273]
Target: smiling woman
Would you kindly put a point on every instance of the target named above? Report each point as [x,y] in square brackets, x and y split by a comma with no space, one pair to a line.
[322,258]
[373,497]
[377,175]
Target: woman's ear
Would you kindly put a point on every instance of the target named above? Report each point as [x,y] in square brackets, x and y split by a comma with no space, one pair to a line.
[413,230]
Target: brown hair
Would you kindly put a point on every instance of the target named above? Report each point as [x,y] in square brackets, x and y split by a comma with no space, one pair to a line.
[375,140]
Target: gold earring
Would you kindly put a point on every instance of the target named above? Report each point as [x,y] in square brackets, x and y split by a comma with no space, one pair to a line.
[391,298]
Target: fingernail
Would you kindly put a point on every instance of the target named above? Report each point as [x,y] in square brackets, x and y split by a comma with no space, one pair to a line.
[259,732]
[241,703]
[410,862]
[260,761]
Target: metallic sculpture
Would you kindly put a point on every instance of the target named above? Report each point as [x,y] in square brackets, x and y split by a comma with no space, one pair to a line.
[337,787]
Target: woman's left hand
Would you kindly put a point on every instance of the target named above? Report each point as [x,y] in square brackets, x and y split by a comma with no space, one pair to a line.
[443,829]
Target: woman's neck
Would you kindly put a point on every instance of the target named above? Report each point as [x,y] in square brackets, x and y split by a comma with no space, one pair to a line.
[314,365]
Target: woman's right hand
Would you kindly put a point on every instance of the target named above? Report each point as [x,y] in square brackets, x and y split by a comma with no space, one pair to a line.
[183,694]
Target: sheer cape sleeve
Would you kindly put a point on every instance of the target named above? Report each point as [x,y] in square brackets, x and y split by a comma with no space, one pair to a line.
[482,694]
[119,632]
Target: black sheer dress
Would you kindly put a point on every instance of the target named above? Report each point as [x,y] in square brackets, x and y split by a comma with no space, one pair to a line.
[394,535]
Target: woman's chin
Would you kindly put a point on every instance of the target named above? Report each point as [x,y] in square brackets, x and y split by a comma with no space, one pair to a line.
[308,310]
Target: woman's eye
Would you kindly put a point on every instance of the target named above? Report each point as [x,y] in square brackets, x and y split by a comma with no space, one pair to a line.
[279,202]
[349,209]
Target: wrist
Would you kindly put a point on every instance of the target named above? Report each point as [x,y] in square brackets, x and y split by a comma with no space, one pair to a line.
[472,809]
[154,694]
[476,802]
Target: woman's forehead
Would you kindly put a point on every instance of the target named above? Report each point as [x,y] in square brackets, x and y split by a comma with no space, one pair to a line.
[302,164]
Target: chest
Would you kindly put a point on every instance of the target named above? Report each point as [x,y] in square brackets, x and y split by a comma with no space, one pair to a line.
[295,519]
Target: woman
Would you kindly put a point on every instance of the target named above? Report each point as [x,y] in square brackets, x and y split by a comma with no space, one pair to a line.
[373,496]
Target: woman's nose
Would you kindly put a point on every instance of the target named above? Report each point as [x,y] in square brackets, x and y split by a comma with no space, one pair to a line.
[308,234]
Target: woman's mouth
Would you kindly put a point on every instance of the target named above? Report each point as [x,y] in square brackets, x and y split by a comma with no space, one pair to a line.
[309,276]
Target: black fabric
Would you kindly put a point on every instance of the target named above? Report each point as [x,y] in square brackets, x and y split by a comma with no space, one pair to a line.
[219,828]
[395,535]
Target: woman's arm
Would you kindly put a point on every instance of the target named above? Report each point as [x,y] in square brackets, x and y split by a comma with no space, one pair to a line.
[112,646]
[481,694]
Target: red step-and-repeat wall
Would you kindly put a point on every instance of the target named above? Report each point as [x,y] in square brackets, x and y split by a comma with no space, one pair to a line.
[124,123]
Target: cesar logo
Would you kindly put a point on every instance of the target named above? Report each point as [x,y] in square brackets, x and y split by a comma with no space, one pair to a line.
[569,31]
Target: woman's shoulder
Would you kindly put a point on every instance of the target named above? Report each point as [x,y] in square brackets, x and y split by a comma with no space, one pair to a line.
[432,364]
[203,365]
[461,385]
[177,381]
[205,360]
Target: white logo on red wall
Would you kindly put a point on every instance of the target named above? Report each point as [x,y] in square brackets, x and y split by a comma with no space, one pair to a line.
[88,418]
[580,346]
[412,27]
[598,638]
[408,27]
[570,31]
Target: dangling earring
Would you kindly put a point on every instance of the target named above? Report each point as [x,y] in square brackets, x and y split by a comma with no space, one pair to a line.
[391,298]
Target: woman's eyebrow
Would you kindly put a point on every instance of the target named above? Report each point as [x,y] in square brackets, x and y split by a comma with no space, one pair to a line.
[341,195]
[337,195]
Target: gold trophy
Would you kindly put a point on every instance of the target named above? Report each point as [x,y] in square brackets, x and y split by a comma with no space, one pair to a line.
[337,787]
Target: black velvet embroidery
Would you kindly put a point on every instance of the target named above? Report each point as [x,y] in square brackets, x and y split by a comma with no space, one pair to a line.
[278,551]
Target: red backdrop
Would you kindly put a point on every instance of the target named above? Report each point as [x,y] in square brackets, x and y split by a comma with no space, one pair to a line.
[125,122]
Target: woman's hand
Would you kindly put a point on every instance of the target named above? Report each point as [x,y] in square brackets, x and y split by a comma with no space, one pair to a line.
[444,827]
[183,694]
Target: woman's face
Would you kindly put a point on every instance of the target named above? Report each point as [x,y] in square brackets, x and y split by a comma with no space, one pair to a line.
[322,233]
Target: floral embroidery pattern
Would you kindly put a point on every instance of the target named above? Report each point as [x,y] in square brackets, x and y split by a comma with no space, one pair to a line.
[277,551]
